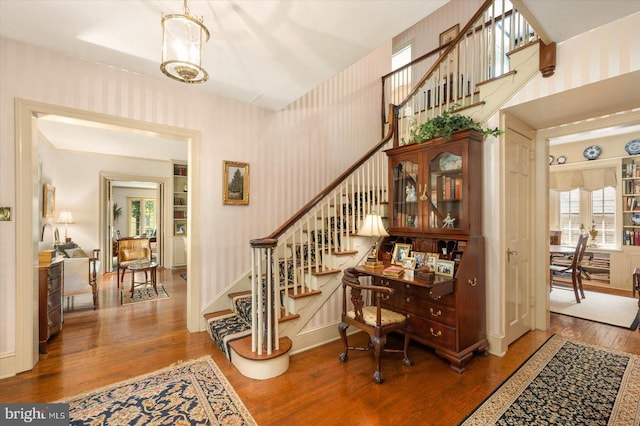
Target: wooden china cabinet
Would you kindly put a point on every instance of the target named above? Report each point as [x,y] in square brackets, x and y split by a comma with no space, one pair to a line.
[436,206]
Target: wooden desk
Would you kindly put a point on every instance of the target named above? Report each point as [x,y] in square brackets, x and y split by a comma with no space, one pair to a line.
[447,314]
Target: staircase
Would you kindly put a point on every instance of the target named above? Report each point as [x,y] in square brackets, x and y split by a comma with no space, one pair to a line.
[297,269]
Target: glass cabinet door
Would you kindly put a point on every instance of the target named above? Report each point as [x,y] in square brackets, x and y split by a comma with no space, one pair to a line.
[445,200]
[405,195]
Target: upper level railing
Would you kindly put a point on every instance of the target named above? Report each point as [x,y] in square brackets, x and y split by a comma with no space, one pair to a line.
[443,78]
[448,77]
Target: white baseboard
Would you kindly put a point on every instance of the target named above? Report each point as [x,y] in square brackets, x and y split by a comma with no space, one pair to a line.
[8,365]
[497,344]
[317,337]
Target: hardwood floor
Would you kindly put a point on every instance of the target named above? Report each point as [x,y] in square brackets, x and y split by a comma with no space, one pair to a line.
[97,348]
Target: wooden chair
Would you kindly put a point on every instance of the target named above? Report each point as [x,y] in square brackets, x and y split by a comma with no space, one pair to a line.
[131,250]
[80,277]
[371,318]
[575,268]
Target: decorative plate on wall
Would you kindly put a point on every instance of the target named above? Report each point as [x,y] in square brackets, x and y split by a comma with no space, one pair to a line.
[592,152]
[633,147]
[551,158]
[562,159]
[635,219]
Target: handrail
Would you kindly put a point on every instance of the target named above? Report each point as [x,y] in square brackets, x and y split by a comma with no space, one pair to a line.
[333,185]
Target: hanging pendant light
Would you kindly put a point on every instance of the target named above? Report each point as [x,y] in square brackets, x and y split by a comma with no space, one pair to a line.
[182,40]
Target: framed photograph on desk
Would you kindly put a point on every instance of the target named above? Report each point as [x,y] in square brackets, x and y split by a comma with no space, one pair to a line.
[400,251]
[445,267]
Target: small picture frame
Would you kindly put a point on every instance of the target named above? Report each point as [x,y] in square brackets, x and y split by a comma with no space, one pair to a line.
[421,258]
[445,267]
[235,183]
[49,201]
[409,263]
[180,229]
[400,251]
[449,34]
[432,259]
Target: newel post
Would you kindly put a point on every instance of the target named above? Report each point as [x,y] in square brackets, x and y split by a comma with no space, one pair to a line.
[547,59]
[264,297]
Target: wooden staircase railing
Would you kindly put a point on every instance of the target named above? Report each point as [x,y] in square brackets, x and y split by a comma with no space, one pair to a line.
[447,78]
[310,240]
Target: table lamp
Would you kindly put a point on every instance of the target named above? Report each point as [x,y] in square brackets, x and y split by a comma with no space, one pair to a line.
[66,217]
[373,227]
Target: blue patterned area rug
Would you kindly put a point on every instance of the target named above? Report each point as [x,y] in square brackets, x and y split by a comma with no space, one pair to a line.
[189,393]
[567,383]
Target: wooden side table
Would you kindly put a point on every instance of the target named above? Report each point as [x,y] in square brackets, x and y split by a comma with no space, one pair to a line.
[149,269]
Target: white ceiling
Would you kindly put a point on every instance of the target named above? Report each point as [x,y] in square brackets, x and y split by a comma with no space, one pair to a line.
[263,52]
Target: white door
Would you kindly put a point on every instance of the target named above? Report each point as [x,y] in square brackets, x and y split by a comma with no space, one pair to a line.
[519,154]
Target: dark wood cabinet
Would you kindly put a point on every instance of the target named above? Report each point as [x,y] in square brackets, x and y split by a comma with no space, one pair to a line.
[436,207]
[50,301]
[436,186]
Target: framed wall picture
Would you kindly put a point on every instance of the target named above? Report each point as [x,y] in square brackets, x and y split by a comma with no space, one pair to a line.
[180,229]
[235,183]
[400,251]
[445,267]
[49,201]
[449,34]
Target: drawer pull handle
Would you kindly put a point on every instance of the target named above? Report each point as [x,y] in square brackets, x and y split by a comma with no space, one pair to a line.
[473,282]
[435,314]
[434,297]
[408,286]
[408,299]
[435,334]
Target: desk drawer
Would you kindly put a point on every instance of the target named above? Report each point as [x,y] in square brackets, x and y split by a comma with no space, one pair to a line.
[433,333]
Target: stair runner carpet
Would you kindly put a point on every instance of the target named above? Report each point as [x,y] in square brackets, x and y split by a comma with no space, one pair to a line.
[226,328]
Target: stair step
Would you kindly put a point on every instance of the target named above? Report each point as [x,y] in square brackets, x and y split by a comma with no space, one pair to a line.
[224,329]
[217,314]
[243,348]
[320,272]
[301,295]
[344,253]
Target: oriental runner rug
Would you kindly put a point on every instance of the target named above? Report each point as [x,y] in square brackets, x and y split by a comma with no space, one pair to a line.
[566,382]
[189,393]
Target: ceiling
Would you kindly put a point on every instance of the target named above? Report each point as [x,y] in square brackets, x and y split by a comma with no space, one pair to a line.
[263,52]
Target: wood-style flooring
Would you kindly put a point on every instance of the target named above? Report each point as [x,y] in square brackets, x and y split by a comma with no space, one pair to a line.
[114,343]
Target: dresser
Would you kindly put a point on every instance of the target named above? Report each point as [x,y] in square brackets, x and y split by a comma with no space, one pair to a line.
[50,301]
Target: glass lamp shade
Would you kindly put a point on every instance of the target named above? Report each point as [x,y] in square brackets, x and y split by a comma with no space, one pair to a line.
[182,40]
[372,226]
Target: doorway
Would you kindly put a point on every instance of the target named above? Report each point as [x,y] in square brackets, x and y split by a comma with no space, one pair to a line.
[134,207]
[27,229]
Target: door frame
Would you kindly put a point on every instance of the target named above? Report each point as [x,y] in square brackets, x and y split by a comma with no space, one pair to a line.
[162,213]
[27,229]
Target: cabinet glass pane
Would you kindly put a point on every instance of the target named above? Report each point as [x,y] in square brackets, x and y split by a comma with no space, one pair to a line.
[445,201]
[405,190]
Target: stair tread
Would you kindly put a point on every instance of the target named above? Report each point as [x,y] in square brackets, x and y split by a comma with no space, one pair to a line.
[217,314]
[243,348]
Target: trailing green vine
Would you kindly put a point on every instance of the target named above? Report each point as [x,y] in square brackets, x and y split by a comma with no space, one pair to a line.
[445,125]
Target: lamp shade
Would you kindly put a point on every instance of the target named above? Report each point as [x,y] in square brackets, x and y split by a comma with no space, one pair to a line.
[372,226]
[182,40]
[66,217]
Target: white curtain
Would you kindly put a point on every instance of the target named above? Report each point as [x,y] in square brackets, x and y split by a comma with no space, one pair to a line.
[587,180]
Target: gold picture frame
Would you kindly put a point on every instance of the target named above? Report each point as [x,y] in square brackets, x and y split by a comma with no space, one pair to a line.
[235,183]
[400,251]
[448,35]
[420,256]
[180,229]
[445,267]
[409,263]
[48,201]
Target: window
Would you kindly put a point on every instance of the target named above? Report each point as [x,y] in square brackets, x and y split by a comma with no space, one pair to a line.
[597,209]
[142,216]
